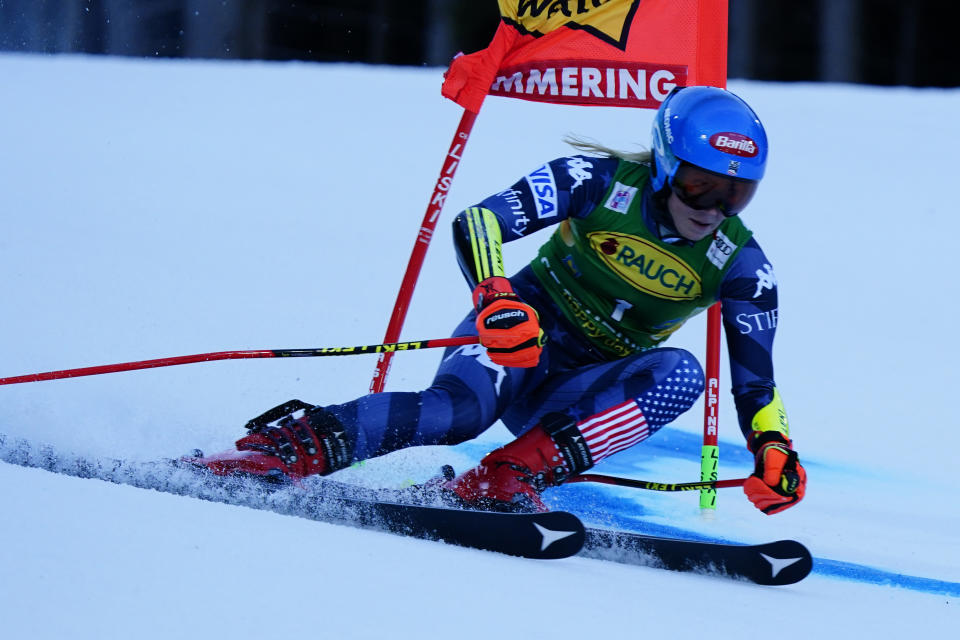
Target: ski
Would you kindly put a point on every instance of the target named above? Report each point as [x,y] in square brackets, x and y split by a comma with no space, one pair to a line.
[543,536]
[551,535]
[774,563]
[418,512]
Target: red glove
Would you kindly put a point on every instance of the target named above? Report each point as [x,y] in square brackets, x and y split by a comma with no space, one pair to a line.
[778,481]
[508,327]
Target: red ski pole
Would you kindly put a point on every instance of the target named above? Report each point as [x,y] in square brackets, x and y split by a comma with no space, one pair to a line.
[239,355]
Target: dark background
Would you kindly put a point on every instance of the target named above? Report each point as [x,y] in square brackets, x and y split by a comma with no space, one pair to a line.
[882,42]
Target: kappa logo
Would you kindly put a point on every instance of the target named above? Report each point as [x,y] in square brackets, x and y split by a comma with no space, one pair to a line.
[479,352]
[765,280]
[606,20]
[577,168]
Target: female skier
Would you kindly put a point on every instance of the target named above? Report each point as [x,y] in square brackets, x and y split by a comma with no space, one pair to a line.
[569,355]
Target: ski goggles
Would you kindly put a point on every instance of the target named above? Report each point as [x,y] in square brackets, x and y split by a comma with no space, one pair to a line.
[701,189]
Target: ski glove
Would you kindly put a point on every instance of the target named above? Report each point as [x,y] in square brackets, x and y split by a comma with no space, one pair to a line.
[508,327]
[778,481]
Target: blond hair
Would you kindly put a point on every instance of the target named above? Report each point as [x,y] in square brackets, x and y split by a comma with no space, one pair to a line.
[643,156]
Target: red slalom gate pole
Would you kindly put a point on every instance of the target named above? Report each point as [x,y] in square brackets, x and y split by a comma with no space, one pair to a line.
[709,454]
[239,355]
[427,227]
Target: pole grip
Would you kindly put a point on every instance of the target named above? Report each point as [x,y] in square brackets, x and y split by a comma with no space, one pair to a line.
[709,468]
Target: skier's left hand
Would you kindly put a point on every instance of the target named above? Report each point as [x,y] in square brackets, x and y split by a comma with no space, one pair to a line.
[778,481]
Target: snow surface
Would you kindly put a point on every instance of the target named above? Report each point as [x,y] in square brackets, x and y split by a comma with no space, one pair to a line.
[155,208]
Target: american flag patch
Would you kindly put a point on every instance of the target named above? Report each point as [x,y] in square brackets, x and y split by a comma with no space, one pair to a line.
[615,429]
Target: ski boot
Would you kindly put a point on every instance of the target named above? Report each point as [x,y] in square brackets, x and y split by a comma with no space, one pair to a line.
[282,447]
[512,477]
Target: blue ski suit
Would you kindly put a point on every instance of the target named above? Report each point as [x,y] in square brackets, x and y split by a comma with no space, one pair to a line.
[576,374]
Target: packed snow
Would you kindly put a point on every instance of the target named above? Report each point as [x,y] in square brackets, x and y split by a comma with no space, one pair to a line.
[157,208]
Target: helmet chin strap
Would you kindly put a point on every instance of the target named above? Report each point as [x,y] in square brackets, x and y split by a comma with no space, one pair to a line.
[660,213]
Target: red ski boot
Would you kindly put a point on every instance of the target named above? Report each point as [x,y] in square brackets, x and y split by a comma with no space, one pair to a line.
[312,444]
[512,477]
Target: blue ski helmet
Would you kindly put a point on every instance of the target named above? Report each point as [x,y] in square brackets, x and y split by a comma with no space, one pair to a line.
[709,128]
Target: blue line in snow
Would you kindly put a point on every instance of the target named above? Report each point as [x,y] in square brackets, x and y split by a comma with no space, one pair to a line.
[602,511]
[597,506]
[870,575]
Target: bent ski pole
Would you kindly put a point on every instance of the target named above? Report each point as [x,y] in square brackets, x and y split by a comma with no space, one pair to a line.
[240,355]
[657,486]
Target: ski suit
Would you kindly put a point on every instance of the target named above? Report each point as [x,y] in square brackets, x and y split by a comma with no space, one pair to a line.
[610,285]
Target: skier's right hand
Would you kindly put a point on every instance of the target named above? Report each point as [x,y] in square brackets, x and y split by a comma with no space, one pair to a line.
[508,327]
[779,481]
